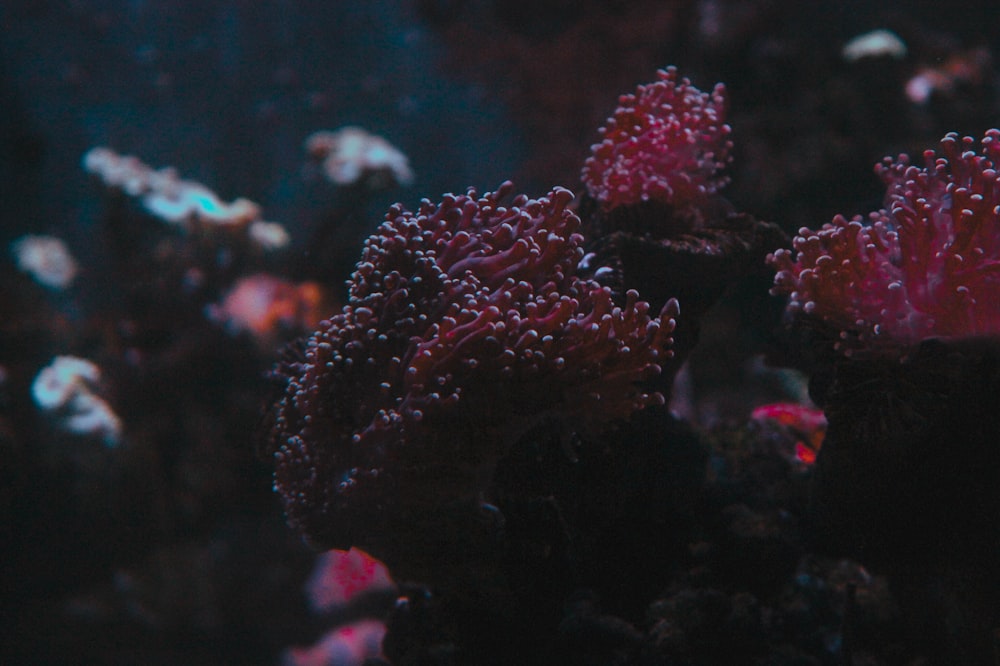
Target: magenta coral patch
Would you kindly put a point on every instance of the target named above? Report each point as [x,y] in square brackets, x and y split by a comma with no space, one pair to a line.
[464,317]
[928,266]
[667,142]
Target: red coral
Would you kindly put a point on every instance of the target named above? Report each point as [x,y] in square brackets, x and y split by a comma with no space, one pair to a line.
[667,142]
[928,266]
[805,426]
[465,323]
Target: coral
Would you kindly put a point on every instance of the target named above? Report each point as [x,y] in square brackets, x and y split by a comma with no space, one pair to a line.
[875,44]
[903,307]
[268,235]
[466,324]
[351,154]
[667,142]
[803,426]
[351,645]
[959,70]
[264,305]
[46,259]
[342,575]
[65,388]
[656,222]
[342,578]
[176,201]
[925,266]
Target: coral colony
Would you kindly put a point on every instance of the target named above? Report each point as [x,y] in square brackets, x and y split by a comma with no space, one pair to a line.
[339,578]
[466,323]
[66,389]
[352,154]
[667,141]
[183,202]
[480,321]
[46,259]
[262,304]
[926,266]
[661,226]
[906,303]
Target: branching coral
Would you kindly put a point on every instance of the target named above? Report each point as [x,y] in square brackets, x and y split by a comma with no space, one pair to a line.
[466,323]
[927,266]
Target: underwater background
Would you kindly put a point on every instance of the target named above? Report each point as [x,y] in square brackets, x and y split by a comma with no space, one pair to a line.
[138,518]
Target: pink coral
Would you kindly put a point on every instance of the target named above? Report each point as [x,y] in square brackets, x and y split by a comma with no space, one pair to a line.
[465,324]
[928,266]
[350,645]
[667,142]
[264,305]
[341,575]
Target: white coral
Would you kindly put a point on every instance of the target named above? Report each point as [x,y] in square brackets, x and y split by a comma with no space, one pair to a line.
[46,259]
[352,153]
[167,196]
[65,388]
